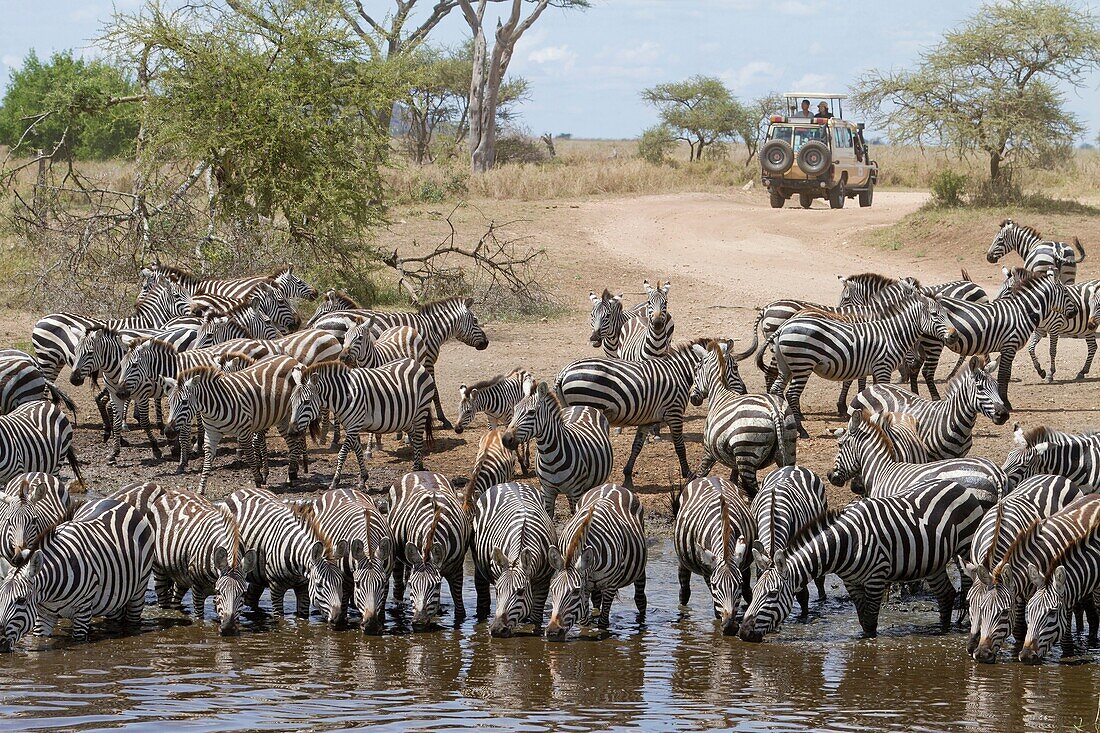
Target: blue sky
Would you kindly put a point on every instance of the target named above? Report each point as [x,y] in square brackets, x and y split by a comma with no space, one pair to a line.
[586,68]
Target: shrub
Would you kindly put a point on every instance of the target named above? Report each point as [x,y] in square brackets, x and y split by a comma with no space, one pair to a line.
[948,188]
[517,147]
[655,144]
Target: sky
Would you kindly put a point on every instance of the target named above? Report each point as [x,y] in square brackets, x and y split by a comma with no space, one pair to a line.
[587,68]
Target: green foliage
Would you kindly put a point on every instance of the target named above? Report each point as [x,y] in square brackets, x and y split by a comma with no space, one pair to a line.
[948,188]
[656,144]
[515,146]
[71,99]
[700,110]
[991,86]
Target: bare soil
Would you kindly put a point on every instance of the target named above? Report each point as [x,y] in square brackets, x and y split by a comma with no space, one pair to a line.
[726,255]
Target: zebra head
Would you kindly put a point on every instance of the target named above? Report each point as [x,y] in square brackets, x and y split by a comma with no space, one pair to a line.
[18,598]
[181,410]
[467,407]
[1003,243]
[425,580]
[305,404]
[1023,461]
[359,343]
[23,517]
[606,312]
[991,599]
[229,587]
[986,394]
[1046,614]
[1012,276]
[371,569]
[932,320]
[290,285]
[513,587]
[467,329]
[529,415]
[326,578]
[137,380]
[848,464]
[89,354]
[724,579]
[570,591]
[714,362]
[214,330]
[772,596]
[656,297]
[278,310]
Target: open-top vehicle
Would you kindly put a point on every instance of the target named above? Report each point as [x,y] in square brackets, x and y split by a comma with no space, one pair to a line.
[816,155]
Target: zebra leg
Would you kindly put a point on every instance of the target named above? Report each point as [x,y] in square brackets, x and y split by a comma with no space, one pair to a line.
[416,438]
[301,600]
[1053,356]
[820,583]
[635,449]
[454,584]
[640,601]
[210,446]
[360,459]
[143,420]
[342,456]
[705,464]
[1090,342]
[1004,373]
[131,617]
[1033,342]
[118,420]
[794,399]
[1019,624]
[399,570]
[443,421]
[538,603]
[684,575]
[676,429]
[944,592]
[255,446]
[524,452]
[481,587]
[549,498]
[164,588]
[932,356]
[102,402]
[159,407]
[82,623]
[803,596]
[867,598]
[47,620]
[842,400]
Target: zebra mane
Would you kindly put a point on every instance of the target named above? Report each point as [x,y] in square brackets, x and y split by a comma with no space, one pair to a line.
[877,430]
[1027,281]
[578,536]
[444,304]
[808,531]
[479,466]
[178,274]
[492,381]
[973,364]
[1025,535]
[105,329]
[335,365]
[368,506]
[205,371]
[429,538]
[342,300]
[1024,228]
[873,280]
[998,517]
[233,530]
[306,514]
[239,307]
[51,529]
[727,529]
[152,292]
[228,356]
[683,346]
[715,347]
[1042,434]
[1084,531]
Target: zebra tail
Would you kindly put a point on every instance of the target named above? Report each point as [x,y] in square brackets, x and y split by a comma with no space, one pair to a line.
[768,342]
[674,495]
[1080,249]
[777,422]
[57,395]
[755,341]
[70,455]
[966,275]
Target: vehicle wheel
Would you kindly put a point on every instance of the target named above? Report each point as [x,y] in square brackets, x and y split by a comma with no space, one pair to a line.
[776,157]
[866,197]
[805,199]
[836,196]
[777,199]
[814,158]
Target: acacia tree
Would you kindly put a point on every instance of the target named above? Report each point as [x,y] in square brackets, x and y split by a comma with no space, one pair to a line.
[701,111]
[990,85]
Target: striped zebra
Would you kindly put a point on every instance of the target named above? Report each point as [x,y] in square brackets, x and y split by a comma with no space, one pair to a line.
[1002,549]
[642,394]
[363,349]
[712,529]
[573,447]
[36,437]
[497,398]
[243,404]
[22,381]
[607,319]
[1043,450]
[54,336]
[601,549]
[96,564]
[292,553]
[1086,297]
[513,537]
[1005,324]
[29,505]
[1038,254]
[387,399]
[431,531]
[744,432]
[263,299]
[436,322]
[946,426]
[198,548]
[494,464]
[790,500]
[352,516]
[283,280]
[870,289]
[871,544]
[332,302]
[1070,572]
[866,452]
[648,335]
[842,349]
[240,322]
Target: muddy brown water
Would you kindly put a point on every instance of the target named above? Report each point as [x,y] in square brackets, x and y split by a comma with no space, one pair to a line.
[672,673]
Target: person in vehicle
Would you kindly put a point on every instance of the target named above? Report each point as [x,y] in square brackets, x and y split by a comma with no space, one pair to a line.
[806,111]
[823,110]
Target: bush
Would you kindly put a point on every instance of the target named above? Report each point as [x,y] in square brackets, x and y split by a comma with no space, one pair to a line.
[655,144]
[948,188]
[517,147]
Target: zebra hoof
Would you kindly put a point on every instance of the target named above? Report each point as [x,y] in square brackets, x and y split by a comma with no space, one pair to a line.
[1049,379]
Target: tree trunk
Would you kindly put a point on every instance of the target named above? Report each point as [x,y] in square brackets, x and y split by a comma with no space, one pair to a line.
[478,88]
[994,166]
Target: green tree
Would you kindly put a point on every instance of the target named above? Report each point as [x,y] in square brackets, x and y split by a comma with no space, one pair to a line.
[700,110]
[990,86]
[69,107]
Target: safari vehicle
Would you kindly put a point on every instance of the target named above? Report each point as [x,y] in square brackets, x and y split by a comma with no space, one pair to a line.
[816,157]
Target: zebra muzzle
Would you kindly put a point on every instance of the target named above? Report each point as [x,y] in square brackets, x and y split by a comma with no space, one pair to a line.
[1028,655]
[749,632]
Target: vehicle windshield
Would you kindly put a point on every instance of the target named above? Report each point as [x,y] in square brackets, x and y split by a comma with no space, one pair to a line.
[797,135]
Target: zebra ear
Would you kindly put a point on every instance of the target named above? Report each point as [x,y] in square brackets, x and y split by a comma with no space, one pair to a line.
[647,286]
[739,552]
[317,552]
[1058,581]
[221,560]
[169,384]
[5,567]
[436,555]
[1033,575]
[1018,435]
[248,561]
[585,560]
[528,386]
[982,574]
[1041,448]
[593,297]
[383,553]
[842,278]
[341,550]
[129,341]
[666,287]
[553,556]
[1005,271]
[1006,575]
[528,562]
[543,389]
[780,561]
[383,505]
[617,298]
[706,557]
[413,556]
[33,565]
[469,303]
[970,569]
[358,551]
[699,350]
[462,392]
[295,377]
[500,560]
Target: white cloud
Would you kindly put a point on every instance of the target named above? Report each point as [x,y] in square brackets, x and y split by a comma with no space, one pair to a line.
[551,55]
[800,7]
[751,74]
[814,83]
[646,52]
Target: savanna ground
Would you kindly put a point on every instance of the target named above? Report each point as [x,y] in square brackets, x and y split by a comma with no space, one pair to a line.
[725,251]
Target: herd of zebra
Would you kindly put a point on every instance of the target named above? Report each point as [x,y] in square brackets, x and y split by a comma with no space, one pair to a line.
[235,357]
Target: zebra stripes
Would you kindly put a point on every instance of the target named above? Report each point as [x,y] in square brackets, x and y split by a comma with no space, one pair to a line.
[1043,450]
[648,335]
[602,548]
[29,505]
[22,381]
[1039,255]
[871,289]
[497,398]
[430,531]
[946,426]
[36,437]
[96,564]
[363,349]
[513,537]
[871,544]
[283,280]
[713,527]
[573,446]
[494,464]
[1003,546]
[240,322]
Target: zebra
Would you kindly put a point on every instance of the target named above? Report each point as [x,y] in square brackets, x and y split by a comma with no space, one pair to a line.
[242,404]
[29,504]
[198,548]
[946,426]
[512,540]
[998,561]
[1086,297]
[1038,254]
[436,322]
[352,516]
[331,302]
[869,289]
[866,451]
[635,393]
[712,529]
[791,499]
[386,399]
[573,445]
[283,280]
[361,348]
[96,564]
[292,553]
[494,464]
[431,530]
[239,322]
[602,548]
[745,432]
[842,349]
[871,544]
[22,381]
[54,336]
[648,335]
[36,437]
[1043,450]
[607,320]
[1070,542]
[497,398]
[263,299]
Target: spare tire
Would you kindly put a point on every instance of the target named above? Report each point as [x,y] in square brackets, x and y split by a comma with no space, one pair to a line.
[814,158]
[777,156]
